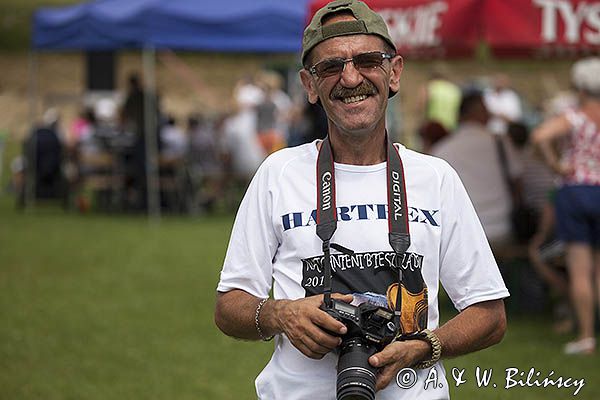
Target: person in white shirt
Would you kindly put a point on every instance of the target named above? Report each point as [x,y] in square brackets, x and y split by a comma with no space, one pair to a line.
[503,103]
[351,68]
[173,139]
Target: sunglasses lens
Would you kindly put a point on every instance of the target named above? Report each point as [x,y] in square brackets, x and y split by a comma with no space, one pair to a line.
[335,66]
[329,67]
[368,60]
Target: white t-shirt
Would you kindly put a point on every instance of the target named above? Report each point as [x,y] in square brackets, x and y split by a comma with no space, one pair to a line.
[274,245]
[504,106]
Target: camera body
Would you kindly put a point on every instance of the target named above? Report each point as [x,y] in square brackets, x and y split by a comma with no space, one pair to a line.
[370,329]
[372,323]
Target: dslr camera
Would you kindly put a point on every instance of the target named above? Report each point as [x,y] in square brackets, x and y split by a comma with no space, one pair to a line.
[370,329]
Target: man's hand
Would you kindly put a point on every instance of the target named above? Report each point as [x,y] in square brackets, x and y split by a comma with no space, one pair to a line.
[310,329]
[395,356]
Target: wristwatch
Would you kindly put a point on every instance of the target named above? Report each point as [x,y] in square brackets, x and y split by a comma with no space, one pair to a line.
[433,340]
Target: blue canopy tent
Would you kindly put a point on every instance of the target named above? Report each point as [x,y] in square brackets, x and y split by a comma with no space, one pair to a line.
[230,25]
[195,25]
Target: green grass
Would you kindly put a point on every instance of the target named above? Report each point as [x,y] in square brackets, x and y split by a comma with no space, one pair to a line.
[113,307]
[97,307]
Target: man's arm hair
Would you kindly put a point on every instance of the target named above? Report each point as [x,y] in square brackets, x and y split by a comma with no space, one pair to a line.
[235,312]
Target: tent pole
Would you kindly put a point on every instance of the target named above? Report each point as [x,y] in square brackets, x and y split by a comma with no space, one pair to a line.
[151,130]
[31,145]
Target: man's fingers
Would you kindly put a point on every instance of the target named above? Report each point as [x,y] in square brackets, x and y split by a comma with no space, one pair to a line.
[343,297]
[308,352]
[328,323]
[315,347]
[385,356]
[384,377]
[310,348]
[325,339]
[310,329]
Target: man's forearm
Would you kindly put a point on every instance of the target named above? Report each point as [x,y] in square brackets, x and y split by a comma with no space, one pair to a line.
[235,312]
[235,315]
[476,327]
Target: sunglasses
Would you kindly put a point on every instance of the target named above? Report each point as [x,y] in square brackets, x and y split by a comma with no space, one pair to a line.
[362,62]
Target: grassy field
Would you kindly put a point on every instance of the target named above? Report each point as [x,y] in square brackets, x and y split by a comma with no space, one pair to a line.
[112,307]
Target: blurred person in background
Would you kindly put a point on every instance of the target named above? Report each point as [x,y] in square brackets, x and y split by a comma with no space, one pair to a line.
[174,142]
[239,138]
[205,161]
[431,133]
[44,151]
[269,135]
[308,123]
[100,130]
[503,103]
[133,121]
[351,68]
[273,127]
[132,112]
[577,211]
[80,125]
[439,99]
[472,151]
[545,253]
[537,179]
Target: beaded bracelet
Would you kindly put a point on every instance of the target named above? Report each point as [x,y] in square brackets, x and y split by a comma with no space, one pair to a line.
[256,323]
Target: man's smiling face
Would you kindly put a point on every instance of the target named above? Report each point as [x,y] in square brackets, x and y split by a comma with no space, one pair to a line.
[354,100]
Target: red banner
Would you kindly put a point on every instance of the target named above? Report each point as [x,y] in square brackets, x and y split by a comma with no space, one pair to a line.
[428,28]
[544,28]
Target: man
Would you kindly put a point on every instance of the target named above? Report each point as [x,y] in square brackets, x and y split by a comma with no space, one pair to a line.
[350,68]
[473,152]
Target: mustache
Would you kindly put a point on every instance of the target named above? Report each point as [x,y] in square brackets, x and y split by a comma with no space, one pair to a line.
[366,88]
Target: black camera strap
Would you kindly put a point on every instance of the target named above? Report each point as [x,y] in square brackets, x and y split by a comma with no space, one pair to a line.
[399,236]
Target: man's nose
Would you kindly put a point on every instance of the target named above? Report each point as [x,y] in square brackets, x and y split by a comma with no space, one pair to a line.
[351,76]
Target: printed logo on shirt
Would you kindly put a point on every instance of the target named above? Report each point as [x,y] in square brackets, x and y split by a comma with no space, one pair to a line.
[362,272]
[359,212]
[375,272]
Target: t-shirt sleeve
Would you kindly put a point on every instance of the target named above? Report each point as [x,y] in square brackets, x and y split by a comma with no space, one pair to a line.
[253,243]
[468,270]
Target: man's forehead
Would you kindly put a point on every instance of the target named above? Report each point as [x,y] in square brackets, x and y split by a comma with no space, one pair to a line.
[358,43]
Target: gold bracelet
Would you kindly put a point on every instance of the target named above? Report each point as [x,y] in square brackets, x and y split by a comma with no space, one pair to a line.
[256,323]
[436,348]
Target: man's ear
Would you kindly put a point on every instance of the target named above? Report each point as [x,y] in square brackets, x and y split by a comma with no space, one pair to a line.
[309,85]
[397,65]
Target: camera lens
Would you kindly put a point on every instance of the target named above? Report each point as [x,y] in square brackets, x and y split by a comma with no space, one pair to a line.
[356,377]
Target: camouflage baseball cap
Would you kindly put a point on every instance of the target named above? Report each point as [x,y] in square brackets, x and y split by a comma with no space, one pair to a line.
[367,22]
